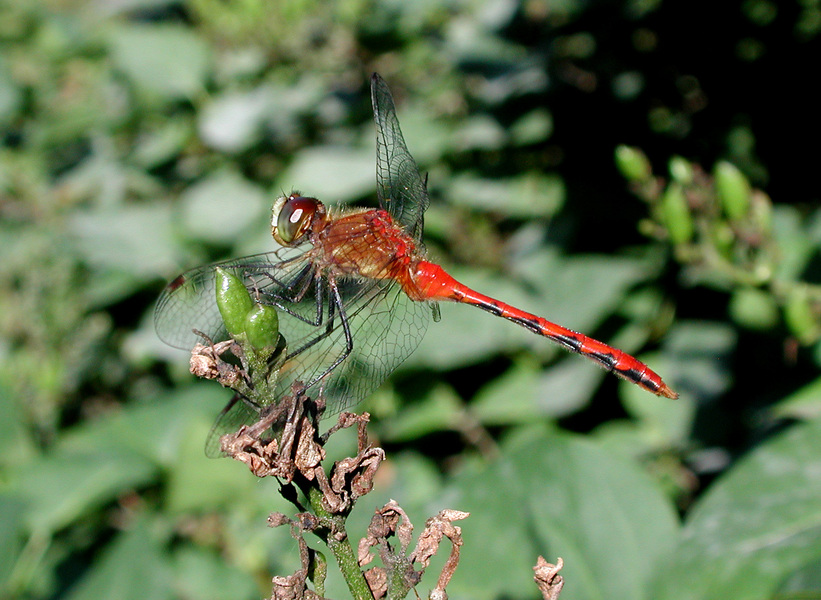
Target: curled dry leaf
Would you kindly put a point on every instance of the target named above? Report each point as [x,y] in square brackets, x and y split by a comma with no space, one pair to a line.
[389,520]
[435,528]
[297,449]
[278,519]
[548,579]
[377,580]
[353,477]
[392,520]
[292,587]
[206,362]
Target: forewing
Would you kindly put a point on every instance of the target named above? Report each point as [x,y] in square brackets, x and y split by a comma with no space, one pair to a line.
[401,190]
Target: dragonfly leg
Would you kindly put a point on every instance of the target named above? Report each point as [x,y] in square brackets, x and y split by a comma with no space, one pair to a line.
[335,300]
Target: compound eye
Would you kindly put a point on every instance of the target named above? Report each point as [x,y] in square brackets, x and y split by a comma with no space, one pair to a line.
[293,218]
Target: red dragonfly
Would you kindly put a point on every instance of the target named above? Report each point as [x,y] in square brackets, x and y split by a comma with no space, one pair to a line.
[353,290]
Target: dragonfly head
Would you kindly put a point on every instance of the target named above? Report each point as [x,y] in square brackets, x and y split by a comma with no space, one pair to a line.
[292,218]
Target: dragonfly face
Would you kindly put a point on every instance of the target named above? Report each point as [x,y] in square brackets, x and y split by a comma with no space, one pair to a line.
[292,218]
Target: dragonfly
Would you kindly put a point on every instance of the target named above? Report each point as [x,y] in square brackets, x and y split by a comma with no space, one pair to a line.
[353,290]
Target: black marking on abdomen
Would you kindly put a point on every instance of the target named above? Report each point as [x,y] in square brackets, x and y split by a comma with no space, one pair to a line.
[491,308]
[605,358]
[638,377]
[571,343]
[531,324]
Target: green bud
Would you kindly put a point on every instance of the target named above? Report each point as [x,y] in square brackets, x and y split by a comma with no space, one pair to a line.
[800,317]
[318,569]
[681,170]
[733,190]
[723,238]
[233,301]
[633,164]
[761,212]
[262,326]
[676,214]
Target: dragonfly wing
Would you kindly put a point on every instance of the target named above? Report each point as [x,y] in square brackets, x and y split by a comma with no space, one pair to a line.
[387,329]
[189,302]
[402,192]
[236,414]
[385,325]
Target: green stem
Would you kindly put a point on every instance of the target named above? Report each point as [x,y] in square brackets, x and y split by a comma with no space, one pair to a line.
[398,587]
[336,538]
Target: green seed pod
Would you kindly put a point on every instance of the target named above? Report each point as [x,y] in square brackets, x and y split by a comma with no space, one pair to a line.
[633,164]
[262,326]
[733,190]
[233,301]
[676,214]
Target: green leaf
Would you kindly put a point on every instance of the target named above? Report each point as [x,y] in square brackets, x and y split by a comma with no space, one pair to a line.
[756,526]
[558,495]
[62,486]
[580,292]
[220,207]
[16,443]
[532,128]
[334,174]
[480,132]
[437,411]
[201,574]
[125,247]
[508,399]
[531,194]
[800,315]
[465,335]
[12,531]
[803,583]
[153,429]
[754,308]
[163,142]
[196,484]
[11,97]
[662,422]
[165,60]
[234,121]
[134,567]
[699,352]
[803,404]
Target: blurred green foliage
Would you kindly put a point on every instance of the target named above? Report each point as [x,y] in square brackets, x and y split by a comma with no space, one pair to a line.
[144,137]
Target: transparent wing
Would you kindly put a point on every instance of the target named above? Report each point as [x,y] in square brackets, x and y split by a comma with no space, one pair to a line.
[401,190]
